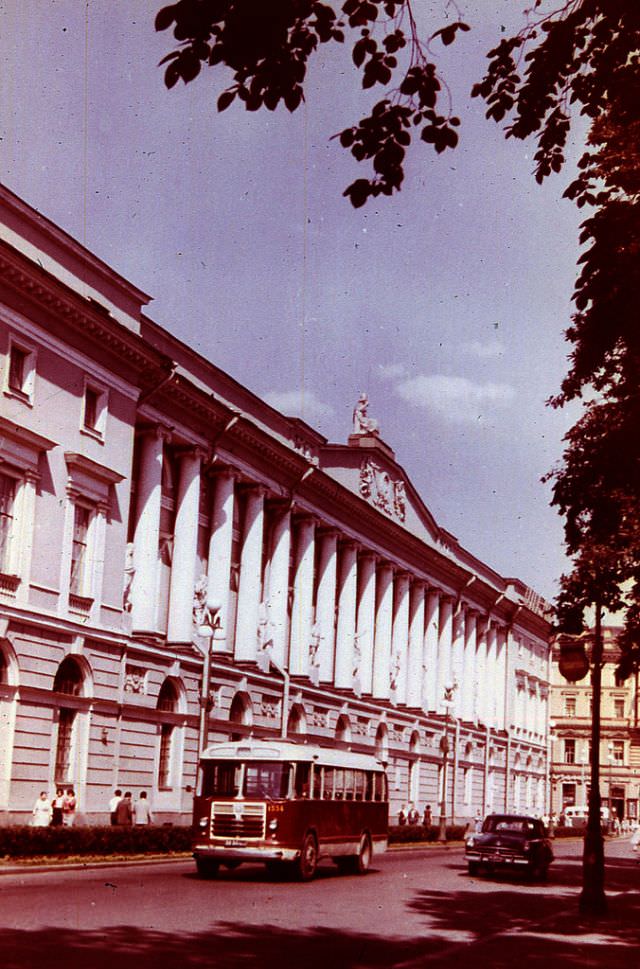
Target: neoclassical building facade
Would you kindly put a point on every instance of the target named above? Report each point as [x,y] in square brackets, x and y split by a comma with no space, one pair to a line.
[139,482]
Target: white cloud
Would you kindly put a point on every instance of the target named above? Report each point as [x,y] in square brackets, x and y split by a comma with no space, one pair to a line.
[392,371]
[484,350]
[455,398]
[298,403]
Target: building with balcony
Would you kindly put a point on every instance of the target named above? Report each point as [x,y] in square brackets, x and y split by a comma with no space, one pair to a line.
[138,482]
[570,737]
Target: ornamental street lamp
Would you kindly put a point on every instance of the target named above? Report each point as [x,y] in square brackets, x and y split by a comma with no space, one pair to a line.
[444,747]
[210,629]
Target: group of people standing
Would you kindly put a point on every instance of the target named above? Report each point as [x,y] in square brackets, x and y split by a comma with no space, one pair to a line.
[409,814]
[124,812]
[57,811]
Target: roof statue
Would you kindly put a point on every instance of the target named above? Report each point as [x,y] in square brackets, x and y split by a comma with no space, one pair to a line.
[362,424]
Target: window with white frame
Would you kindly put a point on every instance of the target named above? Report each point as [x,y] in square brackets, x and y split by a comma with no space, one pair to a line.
[570,703]
[617,751]
[570,751]
[94,410]
[618,707]
[19,378]
[80,581]
[7,521]
[167,702]
[468,785]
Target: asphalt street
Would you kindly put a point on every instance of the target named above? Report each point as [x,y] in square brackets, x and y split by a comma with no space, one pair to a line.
[415,908]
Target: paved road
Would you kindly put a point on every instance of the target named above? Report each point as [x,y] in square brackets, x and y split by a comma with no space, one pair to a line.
[417,908]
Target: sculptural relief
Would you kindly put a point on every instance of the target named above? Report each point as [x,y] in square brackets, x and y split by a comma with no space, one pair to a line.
[377,486]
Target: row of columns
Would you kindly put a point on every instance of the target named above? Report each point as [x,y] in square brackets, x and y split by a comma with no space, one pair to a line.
[322,606]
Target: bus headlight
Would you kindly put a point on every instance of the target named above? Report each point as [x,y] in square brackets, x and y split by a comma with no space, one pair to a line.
[203,822]
[273,826]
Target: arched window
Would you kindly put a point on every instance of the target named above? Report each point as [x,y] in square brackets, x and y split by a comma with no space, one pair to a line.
[4,668]
[69,680]
[297,724]
[241,712]
[168,703]
[382,743]
[343,729]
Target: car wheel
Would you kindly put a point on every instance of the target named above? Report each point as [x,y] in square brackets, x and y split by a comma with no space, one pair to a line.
[207,867]
[308,861]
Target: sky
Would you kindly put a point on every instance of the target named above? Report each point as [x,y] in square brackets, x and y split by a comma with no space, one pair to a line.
[446,303]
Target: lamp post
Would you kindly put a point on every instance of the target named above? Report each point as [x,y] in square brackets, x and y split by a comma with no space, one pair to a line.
[584,760]
[444,747]
[593,900]
[552,737]
[610,800]
[210,629]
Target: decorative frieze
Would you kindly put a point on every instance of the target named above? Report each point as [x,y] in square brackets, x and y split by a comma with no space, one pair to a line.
[378,487]
[135,679]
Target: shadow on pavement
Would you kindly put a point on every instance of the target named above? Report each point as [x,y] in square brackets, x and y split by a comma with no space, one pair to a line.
[494,928]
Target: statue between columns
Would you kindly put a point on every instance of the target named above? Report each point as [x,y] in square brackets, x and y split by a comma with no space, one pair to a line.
[129,572]
[265,630]
[314,653]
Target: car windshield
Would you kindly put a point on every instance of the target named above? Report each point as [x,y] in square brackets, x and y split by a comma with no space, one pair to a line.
[511,825]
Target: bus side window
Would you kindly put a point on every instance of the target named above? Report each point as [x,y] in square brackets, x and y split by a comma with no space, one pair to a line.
[368,792]
[338,789]
[317,781]
[327,792]
[302,780]
[349,784]
[359,778]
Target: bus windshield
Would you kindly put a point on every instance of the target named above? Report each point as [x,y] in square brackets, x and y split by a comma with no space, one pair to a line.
[223,778]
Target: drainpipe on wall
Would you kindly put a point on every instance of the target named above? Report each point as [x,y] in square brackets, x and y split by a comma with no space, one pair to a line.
[285,696]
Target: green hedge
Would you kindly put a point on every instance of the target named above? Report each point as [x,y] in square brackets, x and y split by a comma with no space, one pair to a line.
[27,842]
[408,833]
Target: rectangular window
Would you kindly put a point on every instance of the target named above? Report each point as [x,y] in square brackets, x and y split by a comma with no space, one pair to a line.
[64,747]
[19,378]
[569,706]
[79,550]
[569,751]
[164,760]
[617,751]
[94,410]
[7,501]
[618,707]
[17,369]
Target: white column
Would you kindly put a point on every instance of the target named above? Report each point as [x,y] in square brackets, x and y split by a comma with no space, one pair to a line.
[147,532]
[468,701]
[430,663]
[346,629]
[480,710]
[366,622]
[382,642]
[302,611]
[185,547]
[501,678]
[26,519]
[99,552]
[277,604]
[492,676]
[220,546]
[445,638]
[249,586]
[457,661]
[326,604]
[416,641]
[400,636]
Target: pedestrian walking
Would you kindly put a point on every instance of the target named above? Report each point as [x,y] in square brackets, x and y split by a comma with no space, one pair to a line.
[42,811]
[428,817]
[402,815]
[57,808]
[413,816]
[69,808]
[124,813]
[113,804]
[142,811]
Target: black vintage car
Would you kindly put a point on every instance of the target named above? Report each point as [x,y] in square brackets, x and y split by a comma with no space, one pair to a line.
[509,841]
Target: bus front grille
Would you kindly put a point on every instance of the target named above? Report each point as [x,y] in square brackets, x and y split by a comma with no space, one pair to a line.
[237,820]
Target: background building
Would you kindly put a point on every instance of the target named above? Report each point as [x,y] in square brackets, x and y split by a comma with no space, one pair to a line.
[138,481]
[570,737]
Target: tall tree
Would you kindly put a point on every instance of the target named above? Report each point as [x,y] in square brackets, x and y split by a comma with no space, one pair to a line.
[571,56]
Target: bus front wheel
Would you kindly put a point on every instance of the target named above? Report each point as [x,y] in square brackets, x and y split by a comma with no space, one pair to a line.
[308,860]
[207,867]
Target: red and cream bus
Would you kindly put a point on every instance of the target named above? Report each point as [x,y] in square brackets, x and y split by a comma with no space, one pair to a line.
[288,805]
